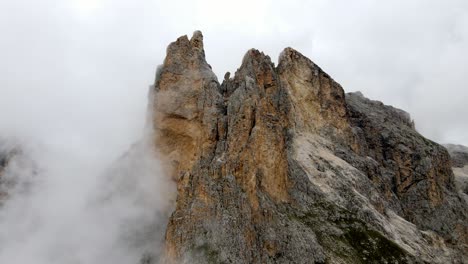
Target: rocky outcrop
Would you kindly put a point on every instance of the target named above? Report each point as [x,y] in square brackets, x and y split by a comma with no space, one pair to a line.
[412,172]
[278,165]
[459,156]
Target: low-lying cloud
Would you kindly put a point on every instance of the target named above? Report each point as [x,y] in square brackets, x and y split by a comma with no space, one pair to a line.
[63,208]
[73,91]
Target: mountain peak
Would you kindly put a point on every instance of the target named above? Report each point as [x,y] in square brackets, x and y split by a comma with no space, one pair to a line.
[197,39]
[278,164]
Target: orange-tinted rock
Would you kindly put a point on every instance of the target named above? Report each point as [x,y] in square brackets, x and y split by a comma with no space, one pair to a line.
[278,165]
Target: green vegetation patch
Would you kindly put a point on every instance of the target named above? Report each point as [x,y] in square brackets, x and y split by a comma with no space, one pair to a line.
[348,239]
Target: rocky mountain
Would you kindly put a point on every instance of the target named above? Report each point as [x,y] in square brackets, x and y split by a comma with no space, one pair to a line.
[277,164]
[459,155]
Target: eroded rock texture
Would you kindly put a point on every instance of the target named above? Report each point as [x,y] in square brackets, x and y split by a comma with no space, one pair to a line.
[459,155]
[278,165]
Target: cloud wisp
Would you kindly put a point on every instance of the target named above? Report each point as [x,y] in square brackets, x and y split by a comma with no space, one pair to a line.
[61,208]
[74,78]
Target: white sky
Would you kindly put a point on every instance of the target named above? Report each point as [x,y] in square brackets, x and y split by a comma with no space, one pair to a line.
[74,77]
[78,71]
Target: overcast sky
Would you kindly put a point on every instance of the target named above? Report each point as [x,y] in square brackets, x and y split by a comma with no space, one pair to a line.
[78,71]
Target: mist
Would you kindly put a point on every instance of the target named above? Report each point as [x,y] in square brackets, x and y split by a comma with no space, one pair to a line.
[62,207]
[74,78]
[86,186]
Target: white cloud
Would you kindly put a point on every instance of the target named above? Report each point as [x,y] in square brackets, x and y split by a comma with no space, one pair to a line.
[74,75]
[79,71]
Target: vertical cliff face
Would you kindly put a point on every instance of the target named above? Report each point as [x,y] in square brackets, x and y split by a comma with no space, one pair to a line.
[278,165]
[318,102]
[187,104]
[459,156]
[414,172]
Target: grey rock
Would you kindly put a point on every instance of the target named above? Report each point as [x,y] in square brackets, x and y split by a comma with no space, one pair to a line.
[459,155]
[279,165]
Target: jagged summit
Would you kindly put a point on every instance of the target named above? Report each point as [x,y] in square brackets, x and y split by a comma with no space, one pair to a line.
[290,57]
[278,165]
[197,40]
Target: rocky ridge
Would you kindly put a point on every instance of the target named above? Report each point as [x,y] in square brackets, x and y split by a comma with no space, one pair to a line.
[278,165]
[459,155]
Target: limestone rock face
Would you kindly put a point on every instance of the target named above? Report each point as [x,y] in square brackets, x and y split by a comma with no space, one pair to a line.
[413,172]
[187,104]
[459,155]
[318,102]
[279,165]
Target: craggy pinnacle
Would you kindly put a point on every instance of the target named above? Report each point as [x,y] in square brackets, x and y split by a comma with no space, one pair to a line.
[279,165]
